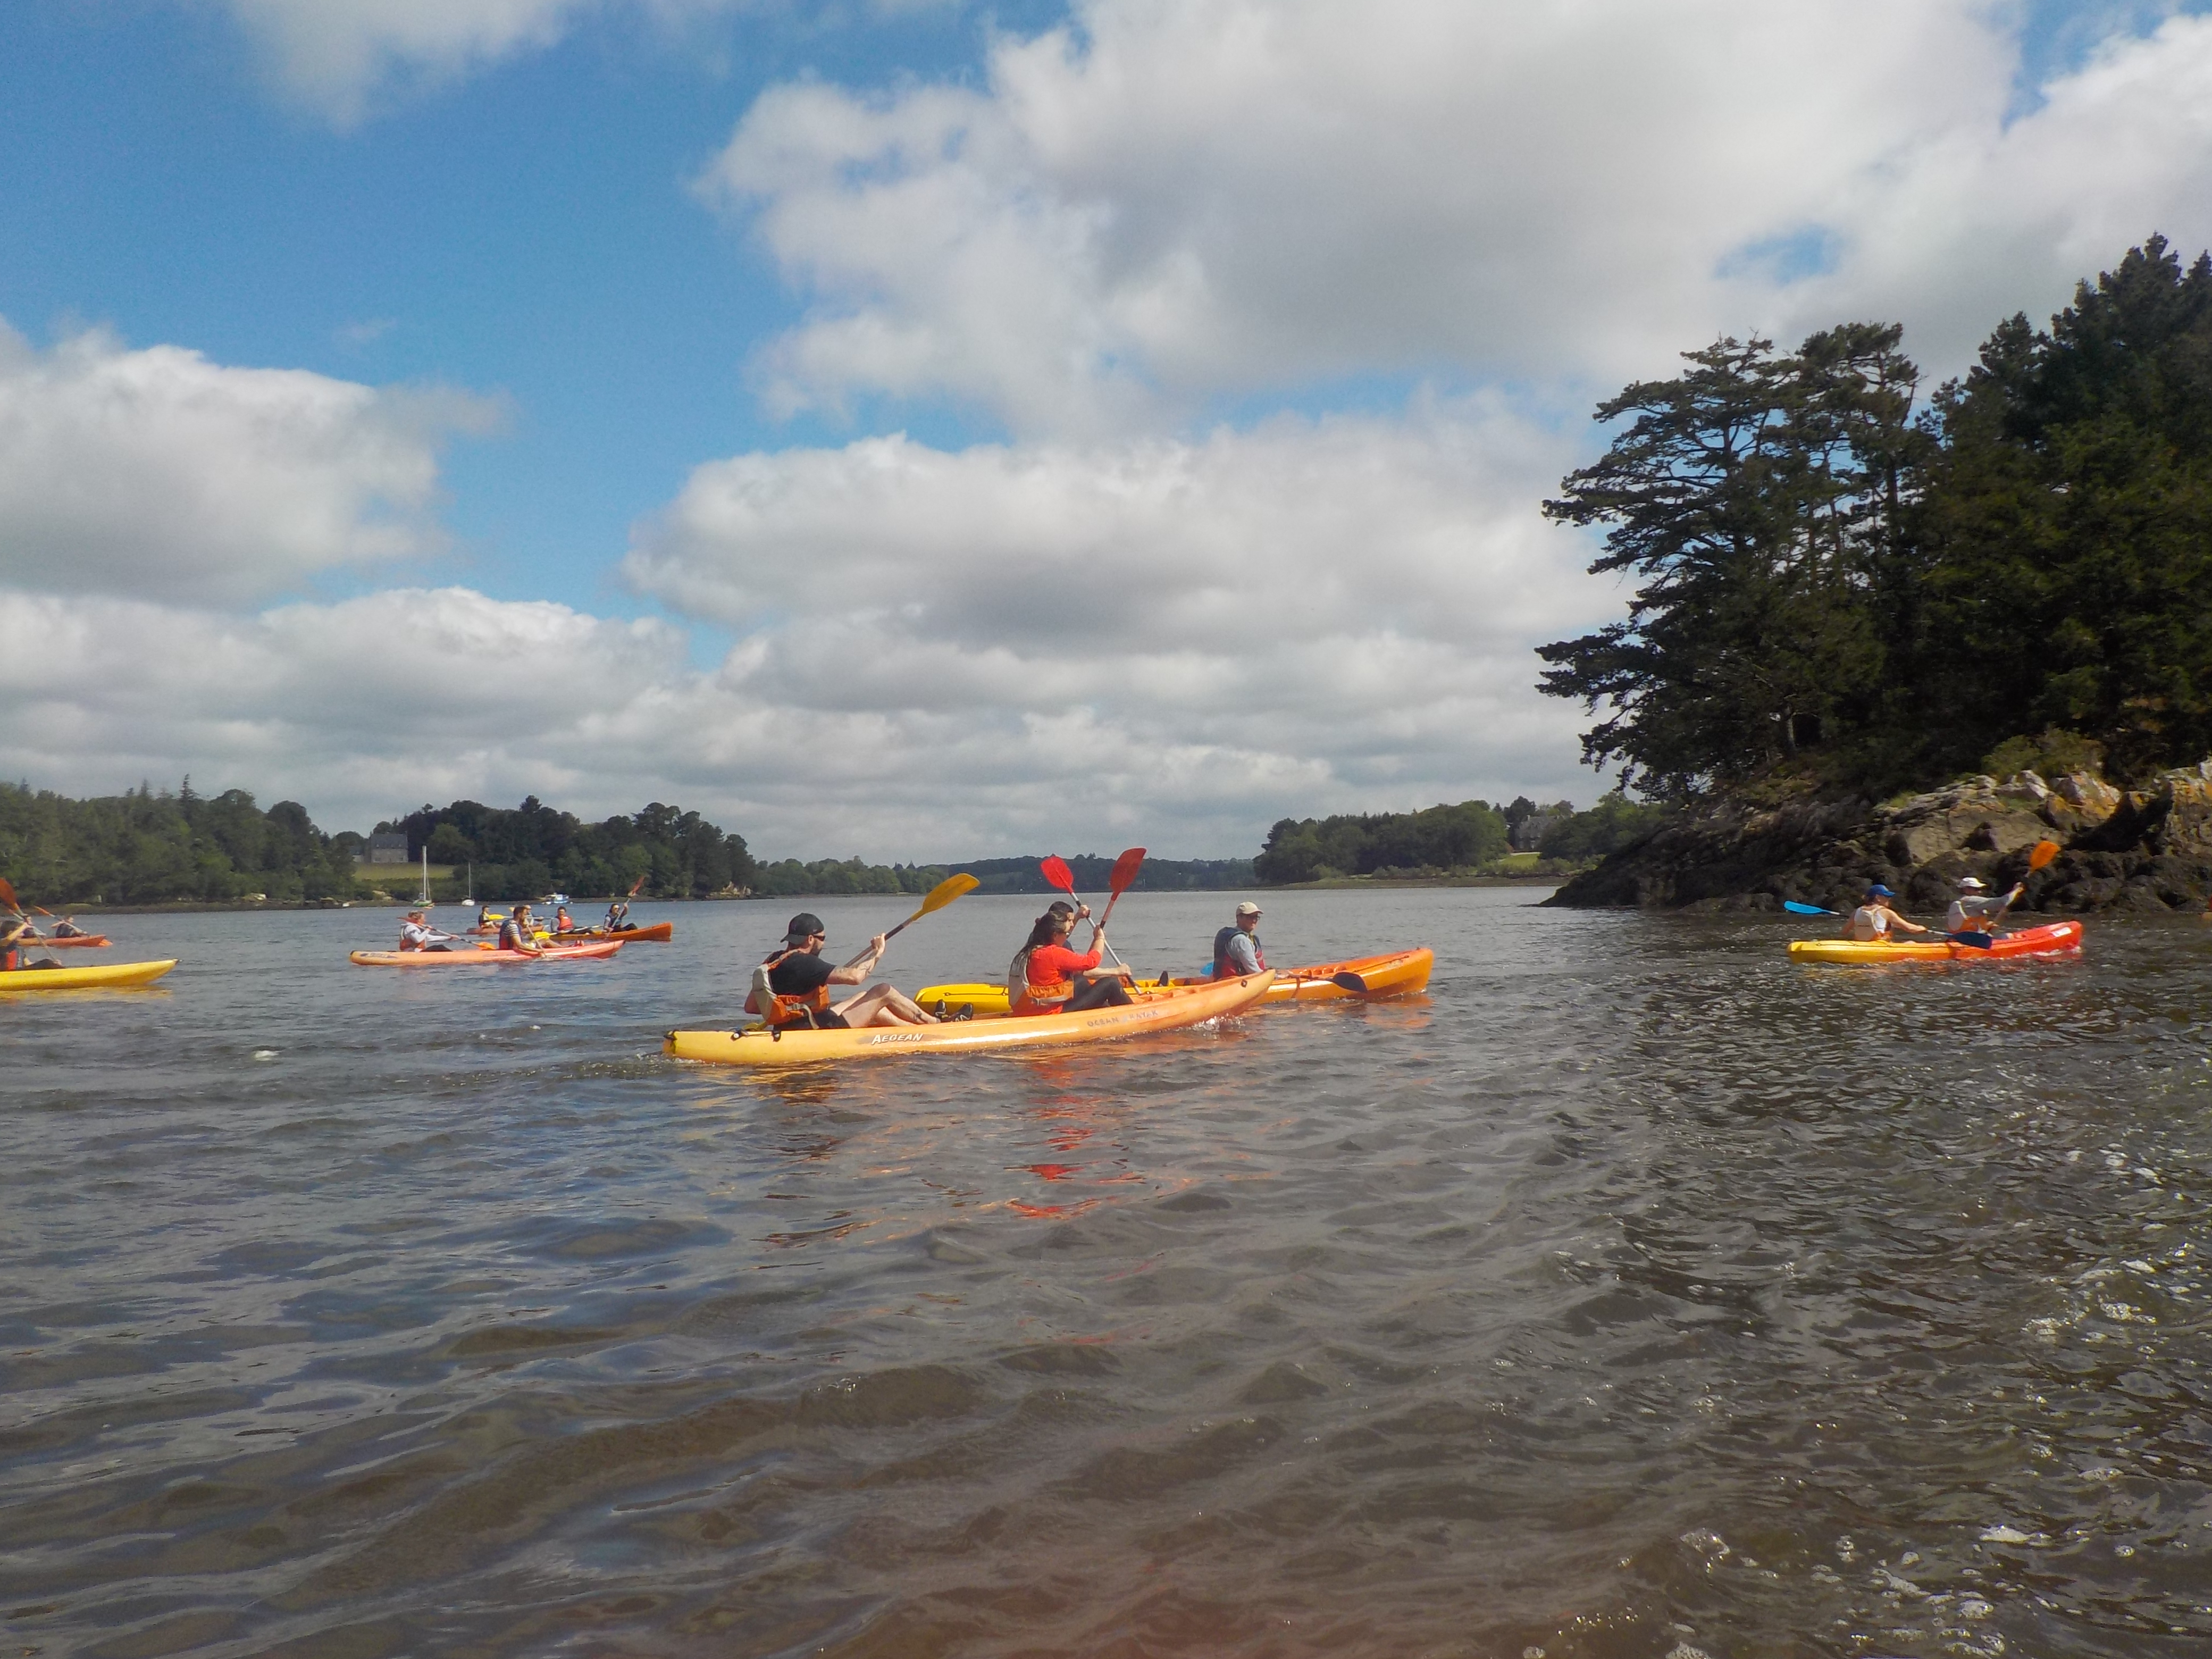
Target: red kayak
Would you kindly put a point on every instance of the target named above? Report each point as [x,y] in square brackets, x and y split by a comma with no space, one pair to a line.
[69,941]
[473,958]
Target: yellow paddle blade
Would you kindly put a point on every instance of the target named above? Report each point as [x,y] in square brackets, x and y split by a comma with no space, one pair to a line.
[2044,852]
[944,893]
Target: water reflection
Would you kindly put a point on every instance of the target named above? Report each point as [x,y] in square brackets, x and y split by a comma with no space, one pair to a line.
[1633,1292]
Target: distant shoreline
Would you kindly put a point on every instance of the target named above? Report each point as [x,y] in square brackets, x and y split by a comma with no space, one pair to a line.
[201,906]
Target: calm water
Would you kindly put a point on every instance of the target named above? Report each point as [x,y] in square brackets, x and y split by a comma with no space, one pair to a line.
[1634,1294]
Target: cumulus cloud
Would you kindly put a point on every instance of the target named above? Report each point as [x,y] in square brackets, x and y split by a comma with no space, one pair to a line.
[940,653]
[156,472]
[1171,200]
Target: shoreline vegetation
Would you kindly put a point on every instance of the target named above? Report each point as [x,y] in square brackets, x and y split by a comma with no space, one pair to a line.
[1876,638]
[154,850]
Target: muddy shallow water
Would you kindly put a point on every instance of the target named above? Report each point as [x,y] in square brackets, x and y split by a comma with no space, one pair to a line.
[1633,1292]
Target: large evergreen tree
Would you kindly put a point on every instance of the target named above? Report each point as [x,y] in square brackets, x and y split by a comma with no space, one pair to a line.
[1759,499]
[2064,568]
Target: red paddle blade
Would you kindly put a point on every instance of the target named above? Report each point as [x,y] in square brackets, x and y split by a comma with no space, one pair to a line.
[636,885]
[1057,874]
[1124,872]
[7,893]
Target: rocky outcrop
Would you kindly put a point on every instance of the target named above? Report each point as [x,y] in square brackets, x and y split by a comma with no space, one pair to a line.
[2148,849]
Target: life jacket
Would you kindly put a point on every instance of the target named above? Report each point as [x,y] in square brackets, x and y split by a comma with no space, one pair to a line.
[1221,941]
[780,1011]
[1020,990]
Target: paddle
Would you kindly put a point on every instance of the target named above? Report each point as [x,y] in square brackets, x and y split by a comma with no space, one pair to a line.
[8,895]
[1795,908]
[1118,882]
[1349,982]
[1056,872]
[939,896]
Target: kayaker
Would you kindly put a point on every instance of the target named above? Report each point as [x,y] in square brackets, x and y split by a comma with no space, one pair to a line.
[798,983]
[1874,919]
[488,921]
[1972,912]
[1046,977]
[561,922]
[16,936]
[416,933]
[1236,949]
[617,916]
[515,933]
[67,928]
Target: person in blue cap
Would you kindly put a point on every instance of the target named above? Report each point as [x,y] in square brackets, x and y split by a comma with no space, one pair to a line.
[1874,919]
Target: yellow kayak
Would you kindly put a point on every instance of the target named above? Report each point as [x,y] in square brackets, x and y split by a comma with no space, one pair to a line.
[1397,974]
[2050,940]
[110,974]
[757,1046]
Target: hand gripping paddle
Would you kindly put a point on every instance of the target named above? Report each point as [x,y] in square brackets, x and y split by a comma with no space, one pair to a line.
[1056,873]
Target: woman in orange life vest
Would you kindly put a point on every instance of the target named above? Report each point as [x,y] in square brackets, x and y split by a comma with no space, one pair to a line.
[1041,977]
[799,983]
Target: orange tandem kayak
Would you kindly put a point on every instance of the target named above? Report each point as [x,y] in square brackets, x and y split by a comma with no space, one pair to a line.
[478,958]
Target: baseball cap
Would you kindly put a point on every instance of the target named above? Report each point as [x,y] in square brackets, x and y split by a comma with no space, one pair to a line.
[1878,891]
[804,923]
[1972,884]
[1248,908]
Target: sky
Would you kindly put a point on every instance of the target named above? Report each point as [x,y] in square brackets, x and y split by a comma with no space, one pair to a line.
[916,429]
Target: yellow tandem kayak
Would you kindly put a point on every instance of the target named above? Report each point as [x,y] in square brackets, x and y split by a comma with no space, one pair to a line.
[110,975]
[2051,939]
[1396,974]
[755,1045]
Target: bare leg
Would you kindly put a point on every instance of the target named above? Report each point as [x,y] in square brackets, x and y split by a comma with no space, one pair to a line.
[884,1005]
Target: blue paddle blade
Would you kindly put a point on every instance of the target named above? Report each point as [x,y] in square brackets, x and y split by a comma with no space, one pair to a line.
[1972,941]
[1795,908]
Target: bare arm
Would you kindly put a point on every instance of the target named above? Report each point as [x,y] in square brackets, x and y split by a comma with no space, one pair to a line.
[858,969]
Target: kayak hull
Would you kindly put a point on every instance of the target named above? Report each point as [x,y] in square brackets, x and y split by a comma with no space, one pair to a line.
[110,974]
[1396,974]
[2053,938]
[755,1046]
[478,958]
[659,933]
[78,942]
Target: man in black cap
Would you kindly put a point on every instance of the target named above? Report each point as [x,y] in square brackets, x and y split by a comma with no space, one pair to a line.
[791,987]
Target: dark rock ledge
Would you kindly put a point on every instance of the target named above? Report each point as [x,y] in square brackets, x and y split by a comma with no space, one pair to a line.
[2147,849]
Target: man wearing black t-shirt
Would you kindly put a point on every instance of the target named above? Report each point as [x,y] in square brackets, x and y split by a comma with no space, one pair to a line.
[799,972]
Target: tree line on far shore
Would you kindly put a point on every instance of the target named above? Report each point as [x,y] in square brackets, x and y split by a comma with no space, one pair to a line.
[1844,587]
[1472,838]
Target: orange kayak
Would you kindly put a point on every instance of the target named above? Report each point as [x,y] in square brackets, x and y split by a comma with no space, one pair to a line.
[477,958]
[66,942]
[1396,974]
[754,1045]
[659,933]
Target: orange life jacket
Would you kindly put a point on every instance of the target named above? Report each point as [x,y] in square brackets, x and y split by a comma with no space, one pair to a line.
[785,1011]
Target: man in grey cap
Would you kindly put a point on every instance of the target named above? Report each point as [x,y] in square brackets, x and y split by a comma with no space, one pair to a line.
[1236,950]
[1972,912]
[791,987]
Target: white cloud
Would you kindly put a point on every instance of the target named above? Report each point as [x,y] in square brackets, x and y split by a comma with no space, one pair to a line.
[156,472]
[337,54]
[942,654]
[1174,200]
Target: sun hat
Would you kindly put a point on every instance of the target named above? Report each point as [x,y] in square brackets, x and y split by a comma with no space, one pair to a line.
[1972,884]
[1248,908]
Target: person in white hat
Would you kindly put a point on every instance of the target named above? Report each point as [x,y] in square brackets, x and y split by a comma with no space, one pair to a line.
[418,934]
[1973,911]
[1236,949]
